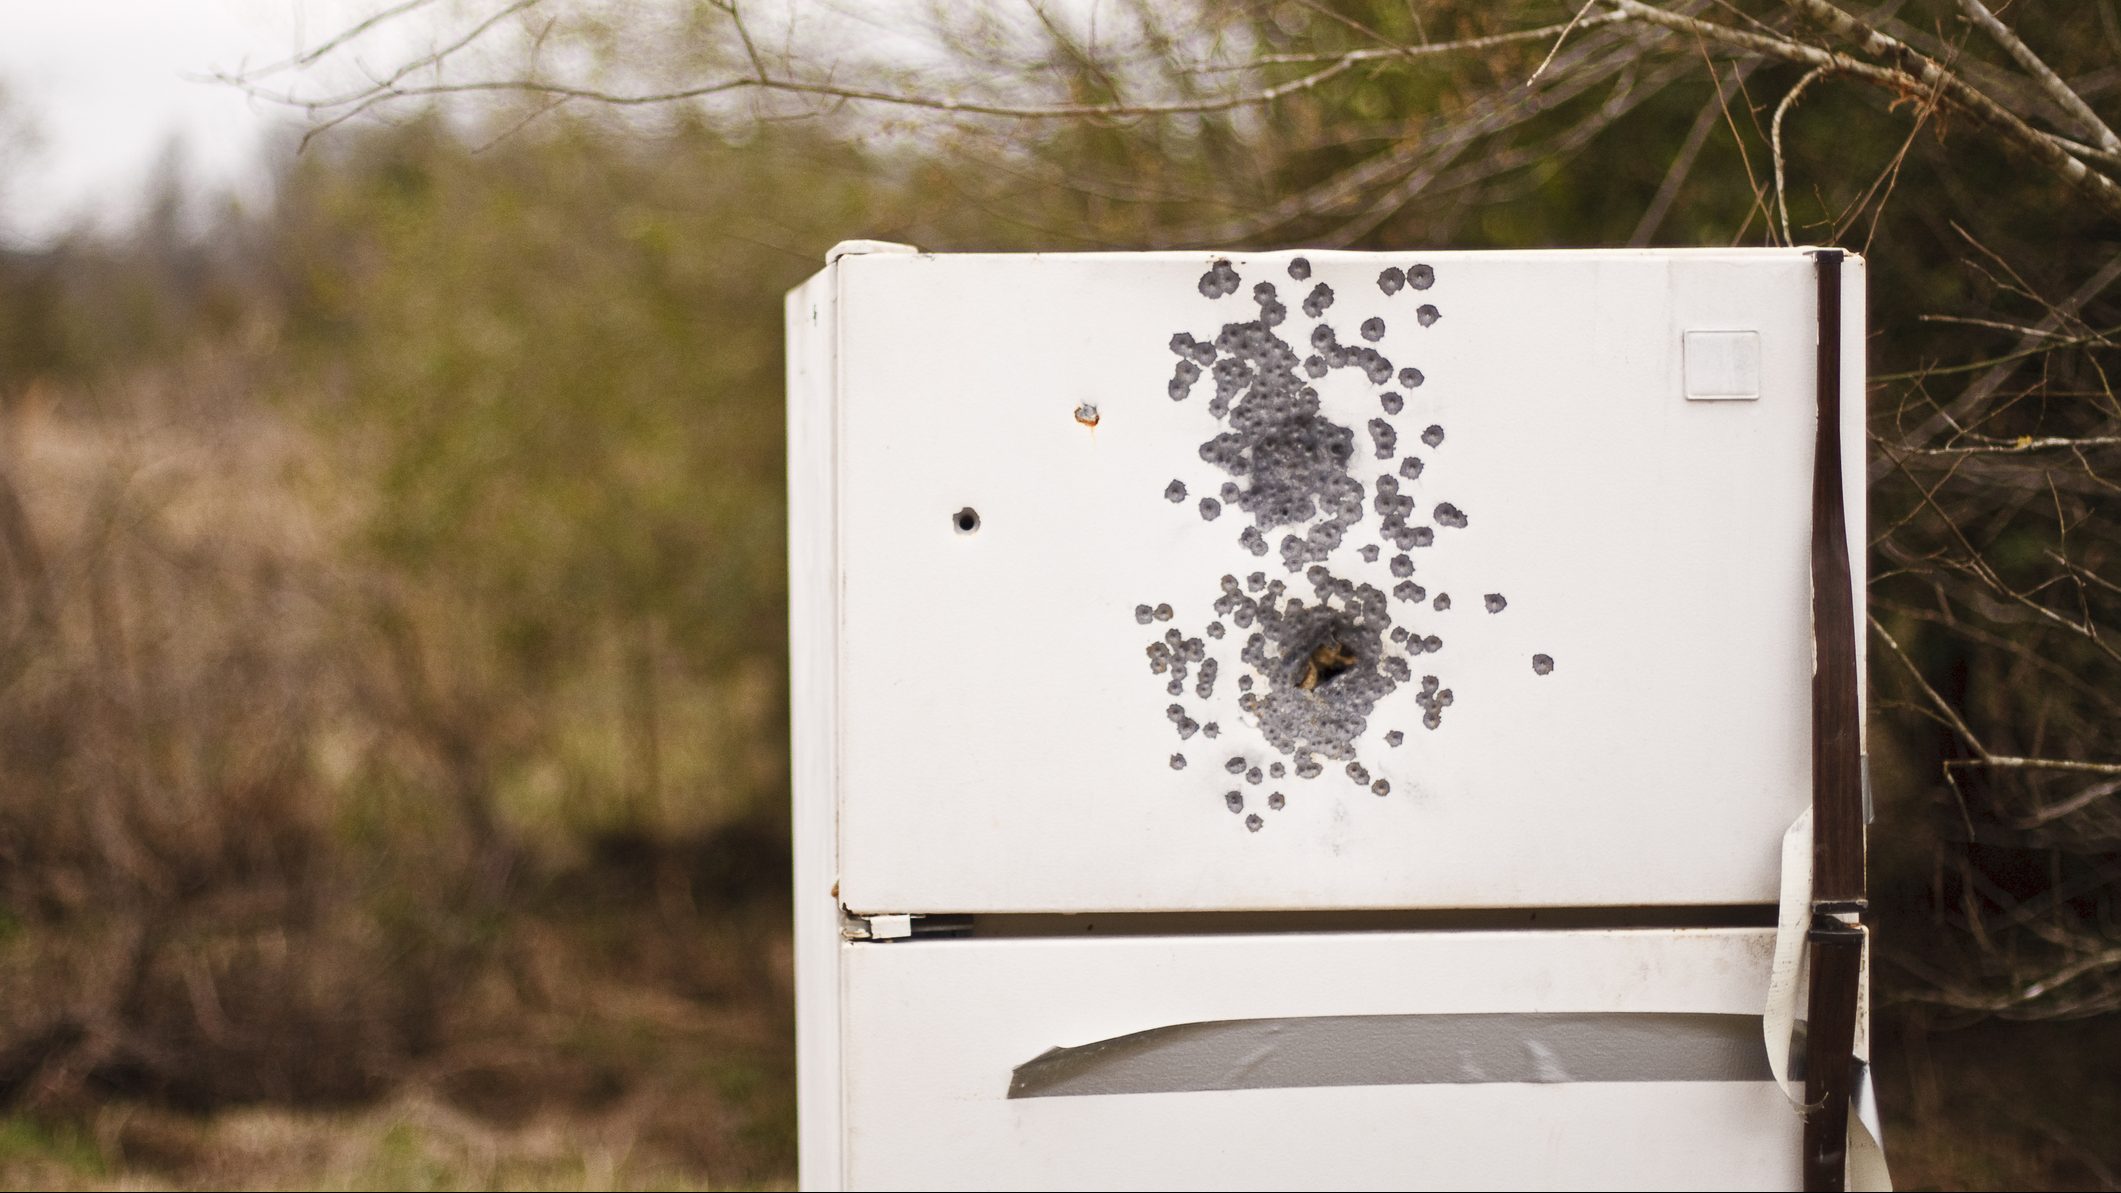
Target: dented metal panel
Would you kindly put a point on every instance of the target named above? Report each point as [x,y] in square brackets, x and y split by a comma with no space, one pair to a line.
[1613,1063]
[1171,582]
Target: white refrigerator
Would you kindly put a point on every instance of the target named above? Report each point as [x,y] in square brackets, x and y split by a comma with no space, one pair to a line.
[1308,719]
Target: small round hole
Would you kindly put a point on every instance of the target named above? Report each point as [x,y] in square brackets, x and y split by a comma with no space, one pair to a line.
[966,520]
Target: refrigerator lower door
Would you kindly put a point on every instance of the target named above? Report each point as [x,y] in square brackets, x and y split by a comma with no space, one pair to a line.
[1409,1060]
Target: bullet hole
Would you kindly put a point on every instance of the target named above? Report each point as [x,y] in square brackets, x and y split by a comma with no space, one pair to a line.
[1273,314]
[1392,280]
[1325,664]
[1421,536]
[1411,467]
[1276,770]
[1256,581]
[1276,802]
[1427,314]
[1380,788]
[1187,727]
[1432,644]
[1244,683]
[1174,639]
[965,520]
[1229,492]
[1442,603]
[1314,367]
[1450,515]
[1359,773]
[1542,664]
[1177,686]
[1211,729]
[1394,738]
[1444,698]
[1143,614]
[1399,635]
[1402,565]
[1433,436]
[1086,414]
[1163,613]
[1182,344]
[1432,719]
[1210,509]
[1373,329]
[1386,438]
[1368,552]
[1495,602]
[1299,269]
[1253,823]
[1234,800]
[1255,776]
[1421,277]
[1215,629]
[1235,765]
[1316,302]
[1411,377]
[1220,280]
[1175,492]
[1392,402]
[1178,762]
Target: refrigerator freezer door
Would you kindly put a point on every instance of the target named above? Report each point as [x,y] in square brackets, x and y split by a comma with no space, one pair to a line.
[1512,1060]
[1480,587]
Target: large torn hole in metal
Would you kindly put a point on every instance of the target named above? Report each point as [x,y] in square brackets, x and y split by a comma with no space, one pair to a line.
[1452,1049]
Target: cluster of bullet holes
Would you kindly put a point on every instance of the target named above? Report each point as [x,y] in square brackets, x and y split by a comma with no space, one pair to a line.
[1317,664]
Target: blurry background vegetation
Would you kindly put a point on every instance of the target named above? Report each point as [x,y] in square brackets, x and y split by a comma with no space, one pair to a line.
[392,689]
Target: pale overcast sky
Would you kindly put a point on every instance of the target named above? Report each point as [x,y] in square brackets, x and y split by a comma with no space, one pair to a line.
[104,85]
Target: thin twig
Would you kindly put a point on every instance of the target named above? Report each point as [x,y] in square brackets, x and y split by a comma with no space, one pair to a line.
[1782,206]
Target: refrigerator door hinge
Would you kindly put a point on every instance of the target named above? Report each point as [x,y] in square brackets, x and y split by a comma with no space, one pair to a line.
[902,926]
[877,927]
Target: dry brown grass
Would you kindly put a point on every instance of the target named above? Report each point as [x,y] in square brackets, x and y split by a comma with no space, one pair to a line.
[266,918]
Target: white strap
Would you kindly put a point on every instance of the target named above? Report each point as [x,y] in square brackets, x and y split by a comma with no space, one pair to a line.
[1786,980]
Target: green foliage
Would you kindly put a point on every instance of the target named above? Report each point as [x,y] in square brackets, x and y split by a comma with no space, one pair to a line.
[553,369]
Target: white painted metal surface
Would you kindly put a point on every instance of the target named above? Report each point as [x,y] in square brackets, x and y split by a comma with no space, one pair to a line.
[980,448]
[1003,744]
[934,1028]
